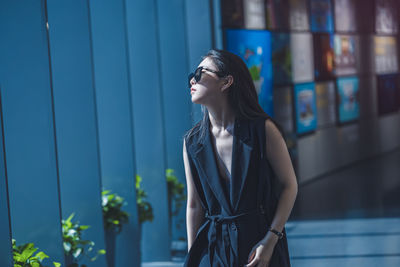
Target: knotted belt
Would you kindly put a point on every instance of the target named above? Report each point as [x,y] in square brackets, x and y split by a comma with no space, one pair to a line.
[214,221]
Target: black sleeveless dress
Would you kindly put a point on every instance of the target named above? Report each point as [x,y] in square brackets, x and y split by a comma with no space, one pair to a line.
[234,224]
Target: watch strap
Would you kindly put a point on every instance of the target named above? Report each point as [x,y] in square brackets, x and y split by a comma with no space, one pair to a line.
[279,234]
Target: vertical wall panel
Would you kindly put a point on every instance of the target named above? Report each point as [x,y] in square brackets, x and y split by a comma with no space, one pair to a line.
[148,123]
[28,127]
[199,38]
[76,125]
[176,94]
[5,227]
[115,118]
[217,24]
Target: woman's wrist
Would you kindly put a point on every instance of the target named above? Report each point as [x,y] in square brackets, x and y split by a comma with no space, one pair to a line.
[270,239]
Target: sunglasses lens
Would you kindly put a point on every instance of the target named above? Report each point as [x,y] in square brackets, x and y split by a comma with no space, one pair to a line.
[191,75]
[197,75]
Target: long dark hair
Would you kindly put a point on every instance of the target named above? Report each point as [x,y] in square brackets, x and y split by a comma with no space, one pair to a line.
[242,94]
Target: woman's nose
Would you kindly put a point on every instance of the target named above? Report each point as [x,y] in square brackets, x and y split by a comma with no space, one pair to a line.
[192,81]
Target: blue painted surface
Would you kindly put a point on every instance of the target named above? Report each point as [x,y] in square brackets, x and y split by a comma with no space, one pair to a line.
[199,38]
[217,24]
[176,94]
[28,127]
[149,131]
[5,226]
[115,118]
[75,114]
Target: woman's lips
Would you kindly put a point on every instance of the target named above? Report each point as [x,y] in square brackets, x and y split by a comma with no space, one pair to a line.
[192,90]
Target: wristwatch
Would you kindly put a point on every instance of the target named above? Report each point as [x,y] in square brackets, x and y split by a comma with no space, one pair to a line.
[279,234]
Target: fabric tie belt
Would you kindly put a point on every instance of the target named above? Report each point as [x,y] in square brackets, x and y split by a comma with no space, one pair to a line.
[214,221]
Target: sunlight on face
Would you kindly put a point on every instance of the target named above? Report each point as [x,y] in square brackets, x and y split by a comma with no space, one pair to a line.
[207,90]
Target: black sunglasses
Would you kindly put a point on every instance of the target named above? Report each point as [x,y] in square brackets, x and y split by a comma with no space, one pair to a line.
[197,74]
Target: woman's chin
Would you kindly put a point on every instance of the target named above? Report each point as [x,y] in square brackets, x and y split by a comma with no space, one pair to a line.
[196,100]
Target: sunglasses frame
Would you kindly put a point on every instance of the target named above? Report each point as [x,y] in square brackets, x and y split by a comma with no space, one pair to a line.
[198,72]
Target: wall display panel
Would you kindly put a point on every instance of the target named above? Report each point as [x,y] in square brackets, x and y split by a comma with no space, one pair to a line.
[254,14]
[385,54]
[306,109]
[326,103]
[364,11]
[345,16]
[321,16]
[249,14]
[301,46]
[281,58]
[254,47]
[345,60]
[298,15]
[348,104]
[232,13]
[283,108]
[277,14]
[323,45]
[388,93]
[386,16]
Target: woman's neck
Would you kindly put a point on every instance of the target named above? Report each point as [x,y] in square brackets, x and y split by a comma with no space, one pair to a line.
[221,120]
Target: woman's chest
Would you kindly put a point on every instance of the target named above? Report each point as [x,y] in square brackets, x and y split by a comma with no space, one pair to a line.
[222,149]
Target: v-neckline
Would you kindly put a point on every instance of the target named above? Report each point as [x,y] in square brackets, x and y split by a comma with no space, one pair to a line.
[216,155]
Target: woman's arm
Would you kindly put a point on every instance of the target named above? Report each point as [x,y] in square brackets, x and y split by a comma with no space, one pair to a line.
[278,157]
[194,210]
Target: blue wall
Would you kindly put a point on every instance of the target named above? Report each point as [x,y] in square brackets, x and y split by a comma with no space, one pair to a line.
[114,110]
[5,227]
[75,115]
[148,123]
[175,92]
[103,95]
[28,127]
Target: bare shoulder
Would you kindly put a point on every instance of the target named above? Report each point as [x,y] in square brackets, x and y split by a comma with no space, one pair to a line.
[271,131]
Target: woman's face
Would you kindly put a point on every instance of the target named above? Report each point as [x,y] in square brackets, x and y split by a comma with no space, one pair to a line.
[208,89]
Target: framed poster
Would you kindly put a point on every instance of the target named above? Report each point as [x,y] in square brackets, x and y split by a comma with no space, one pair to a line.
[326,103]
[277,14]
[348,99]
[388,93]
[298,14]
[249,14]
[281,58]
[323,56]
[283,108]
[386,16]
[306,110]
[345,16]
[345,54]
[301,46]
[385,54]
[254,14]
[321,16]
[254,47]
[232,13]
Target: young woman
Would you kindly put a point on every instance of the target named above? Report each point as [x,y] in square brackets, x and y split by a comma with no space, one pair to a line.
[240,180]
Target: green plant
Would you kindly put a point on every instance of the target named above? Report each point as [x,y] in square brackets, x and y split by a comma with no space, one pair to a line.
[113,215]
[23,256]
[176,192]
[144,207]
[73,244]
[254,72]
